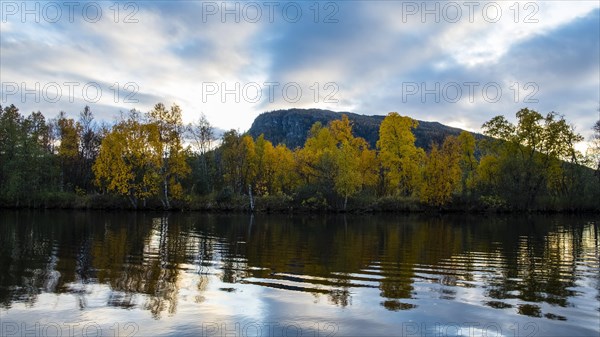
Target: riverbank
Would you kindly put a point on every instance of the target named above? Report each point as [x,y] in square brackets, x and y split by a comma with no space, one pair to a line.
[218,203]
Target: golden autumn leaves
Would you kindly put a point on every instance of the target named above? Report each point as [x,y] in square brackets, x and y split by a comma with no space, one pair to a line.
[140,158]
[144,157]
[332,155]
[530,164]
[409,171]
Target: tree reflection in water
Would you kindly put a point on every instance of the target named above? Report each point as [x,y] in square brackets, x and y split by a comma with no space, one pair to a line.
[518,263]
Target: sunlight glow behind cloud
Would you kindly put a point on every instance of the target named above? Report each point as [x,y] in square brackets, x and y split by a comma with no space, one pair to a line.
[373,50]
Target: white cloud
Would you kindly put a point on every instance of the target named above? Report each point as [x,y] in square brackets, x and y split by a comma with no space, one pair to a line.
[486,40]
[170,53]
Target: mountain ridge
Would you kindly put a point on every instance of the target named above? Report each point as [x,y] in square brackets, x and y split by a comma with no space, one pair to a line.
[291,126]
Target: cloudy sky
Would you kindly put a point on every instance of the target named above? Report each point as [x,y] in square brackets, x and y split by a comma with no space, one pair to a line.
[459,63]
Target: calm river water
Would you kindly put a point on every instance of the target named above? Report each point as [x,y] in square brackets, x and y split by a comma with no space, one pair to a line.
[191,274]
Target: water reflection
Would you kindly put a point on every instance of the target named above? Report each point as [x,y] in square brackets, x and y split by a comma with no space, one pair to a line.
[540,267]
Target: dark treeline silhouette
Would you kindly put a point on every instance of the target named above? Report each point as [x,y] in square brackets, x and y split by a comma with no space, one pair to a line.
[153,161]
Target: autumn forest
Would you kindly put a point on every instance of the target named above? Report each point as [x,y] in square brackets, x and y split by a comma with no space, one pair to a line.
[154,161]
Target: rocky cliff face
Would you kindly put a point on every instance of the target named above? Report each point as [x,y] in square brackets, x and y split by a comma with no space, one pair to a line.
[291,127]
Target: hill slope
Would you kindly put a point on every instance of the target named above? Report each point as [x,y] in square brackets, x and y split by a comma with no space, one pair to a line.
[291,127]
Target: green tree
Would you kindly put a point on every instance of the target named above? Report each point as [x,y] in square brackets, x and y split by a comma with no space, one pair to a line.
[40,167]
[90,140]
[527,151]
[11,136]
[26,165]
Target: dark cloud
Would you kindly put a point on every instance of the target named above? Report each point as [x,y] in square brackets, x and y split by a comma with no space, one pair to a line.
[562,66]
[366,49]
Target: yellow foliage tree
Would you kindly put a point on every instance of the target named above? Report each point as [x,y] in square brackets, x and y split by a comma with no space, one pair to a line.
[368,164]
[442,173]
[173,164]
[129,161]
[399,157]
[348,176]
[275,168]
[468,161]
[265,166]
[333,158]
[69,132]
[285,177]
[238,160]
[316,160]
[488,172]
[341,130]
[68,150]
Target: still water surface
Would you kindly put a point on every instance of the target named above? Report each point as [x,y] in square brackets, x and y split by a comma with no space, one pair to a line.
[127,274]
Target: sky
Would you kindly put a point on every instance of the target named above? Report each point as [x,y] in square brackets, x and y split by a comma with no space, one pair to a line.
[459,63]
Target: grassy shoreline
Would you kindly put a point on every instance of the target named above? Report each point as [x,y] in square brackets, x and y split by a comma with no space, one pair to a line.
[277,204]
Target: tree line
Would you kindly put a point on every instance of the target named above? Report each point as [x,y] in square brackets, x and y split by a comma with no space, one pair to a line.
[154,160]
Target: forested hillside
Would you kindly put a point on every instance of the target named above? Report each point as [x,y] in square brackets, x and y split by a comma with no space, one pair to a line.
[303,160]
[290,127]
